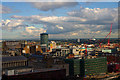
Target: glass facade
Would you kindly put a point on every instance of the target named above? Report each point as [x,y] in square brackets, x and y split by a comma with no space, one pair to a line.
[44,38]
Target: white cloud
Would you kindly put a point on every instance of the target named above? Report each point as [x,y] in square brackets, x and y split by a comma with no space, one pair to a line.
[59,27]
[73,34]
[105,14]
[85,21]
[12,24]
[55,19]
[51,21]
[32,30]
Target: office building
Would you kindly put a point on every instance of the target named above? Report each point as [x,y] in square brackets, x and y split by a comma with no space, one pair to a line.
[86,67]
[78,40]
[44,39]
[94,66]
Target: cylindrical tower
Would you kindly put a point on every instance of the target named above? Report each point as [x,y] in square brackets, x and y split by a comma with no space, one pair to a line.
[44,39]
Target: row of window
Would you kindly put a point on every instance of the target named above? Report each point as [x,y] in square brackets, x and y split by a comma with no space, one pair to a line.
[14,64]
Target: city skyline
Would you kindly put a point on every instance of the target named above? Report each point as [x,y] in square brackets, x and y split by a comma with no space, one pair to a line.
[23,20]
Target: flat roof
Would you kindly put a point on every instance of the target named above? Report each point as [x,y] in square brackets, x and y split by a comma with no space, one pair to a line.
[43,34]
[13,58]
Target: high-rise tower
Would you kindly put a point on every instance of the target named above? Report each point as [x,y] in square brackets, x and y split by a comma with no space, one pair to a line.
[44,41]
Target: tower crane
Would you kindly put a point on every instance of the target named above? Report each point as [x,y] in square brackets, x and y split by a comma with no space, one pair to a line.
[85,48]
[106,37]
[110,35]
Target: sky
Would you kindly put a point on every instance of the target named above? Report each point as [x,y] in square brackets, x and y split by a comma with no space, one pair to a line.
[61,20]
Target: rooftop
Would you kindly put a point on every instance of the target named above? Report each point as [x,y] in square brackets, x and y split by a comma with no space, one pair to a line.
[13,58]
[43,34]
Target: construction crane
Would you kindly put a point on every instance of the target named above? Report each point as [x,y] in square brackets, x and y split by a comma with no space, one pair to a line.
[85,49]
[106,37]
[110,35]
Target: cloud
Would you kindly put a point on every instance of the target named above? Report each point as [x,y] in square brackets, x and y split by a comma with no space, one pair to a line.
[85,21]
[11,25]
[33,30]
[97,16]
[59,27]
[105,14]
[54,24]
[73,34]
[46,6]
